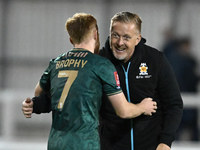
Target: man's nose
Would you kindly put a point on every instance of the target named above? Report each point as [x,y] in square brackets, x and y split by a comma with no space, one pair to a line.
[120,41]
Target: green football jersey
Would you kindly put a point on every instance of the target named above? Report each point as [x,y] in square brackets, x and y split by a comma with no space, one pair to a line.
[76,81]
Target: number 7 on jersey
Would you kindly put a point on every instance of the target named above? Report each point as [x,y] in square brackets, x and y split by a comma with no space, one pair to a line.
[71,74]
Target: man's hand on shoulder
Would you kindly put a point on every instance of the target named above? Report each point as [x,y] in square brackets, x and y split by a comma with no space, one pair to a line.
[163,146]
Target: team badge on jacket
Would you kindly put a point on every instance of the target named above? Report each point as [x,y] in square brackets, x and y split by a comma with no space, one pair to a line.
[143,71]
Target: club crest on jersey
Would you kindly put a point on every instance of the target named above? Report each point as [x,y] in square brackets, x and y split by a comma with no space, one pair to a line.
[143,71]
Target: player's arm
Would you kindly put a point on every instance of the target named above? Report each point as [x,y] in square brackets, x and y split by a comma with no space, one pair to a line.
[124,109]
[38,90]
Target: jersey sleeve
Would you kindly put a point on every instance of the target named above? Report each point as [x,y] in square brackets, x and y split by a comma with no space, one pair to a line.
[45,79]
[110,78]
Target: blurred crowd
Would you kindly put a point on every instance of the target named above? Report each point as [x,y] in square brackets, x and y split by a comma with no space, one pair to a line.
[184,63]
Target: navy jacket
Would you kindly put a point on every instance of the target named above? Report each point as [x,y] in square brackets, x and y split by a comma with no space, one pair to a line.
[146,74]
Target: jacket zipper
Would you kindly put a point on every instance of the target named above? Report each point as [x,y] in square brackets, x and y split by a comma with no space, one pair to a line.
[129,100]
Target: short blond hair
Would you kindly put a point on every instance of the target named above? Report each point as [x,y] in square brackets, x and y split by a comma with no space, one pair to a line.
[127,17]
[80,26]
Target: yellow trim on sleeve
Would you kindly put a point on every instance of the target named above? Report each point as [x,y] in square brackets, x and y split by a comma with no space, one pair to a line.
[114,93]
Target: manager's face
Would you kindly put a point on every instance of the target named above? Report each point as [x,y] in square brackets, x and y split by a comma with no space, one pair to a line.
[123,39]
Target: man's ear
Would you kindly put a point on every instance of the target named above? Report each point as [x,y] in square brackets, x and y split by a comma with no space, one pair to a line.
[71,41]
[95,34]
[138,39]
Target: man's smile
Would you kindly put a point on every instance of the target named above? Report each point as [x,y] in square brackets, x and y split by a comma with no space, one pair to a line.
[120,49]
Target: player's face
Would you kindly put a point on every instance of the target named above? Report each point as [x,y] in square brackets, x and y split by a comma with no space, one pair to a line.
[123,39]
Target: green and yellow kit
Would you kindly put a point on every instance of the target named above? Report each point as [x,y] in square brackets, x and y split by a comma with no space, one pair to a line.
[76,81]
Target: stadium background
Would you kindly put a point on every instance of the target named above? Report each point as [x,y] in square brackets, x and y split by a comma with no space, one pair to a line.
[33,31]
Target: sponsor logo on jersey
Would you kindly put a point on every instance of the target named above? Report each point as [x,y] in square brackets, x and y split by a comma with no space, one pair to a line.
[117,79]
[143,68]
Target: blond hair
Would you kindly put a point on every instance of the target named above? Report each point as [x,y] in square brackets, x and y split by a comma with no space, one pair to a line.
[80,26]
[127,17]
